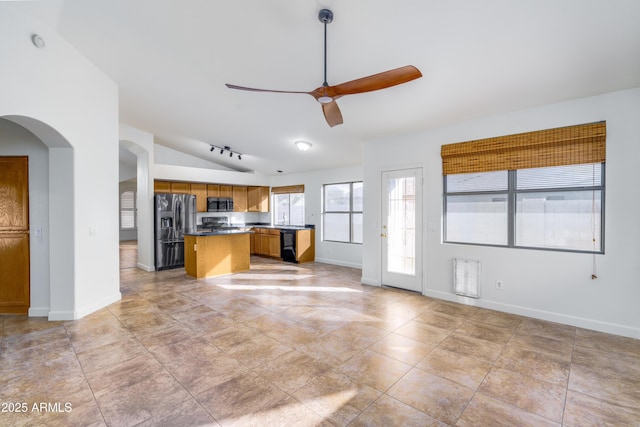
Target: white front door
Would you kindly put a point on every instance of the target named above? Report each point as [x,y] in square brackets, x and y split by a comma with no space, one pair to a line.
[401,232]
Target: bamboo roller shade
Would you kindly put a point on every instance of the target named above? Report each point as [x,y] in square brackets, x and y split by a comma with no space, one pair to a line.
[551,147]
[288,189]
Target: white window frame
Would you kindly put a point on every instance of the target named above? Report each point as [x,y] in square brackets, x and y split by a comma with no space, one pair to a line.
[349,213]
[511,194]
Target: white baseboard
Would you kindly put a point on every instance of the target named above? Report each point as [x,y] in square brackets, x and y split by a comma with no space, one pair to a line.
[370,281]
[147,268]
[62,315]
[80,313]
[338,262]
[39,311]
[580,322]
[98,305]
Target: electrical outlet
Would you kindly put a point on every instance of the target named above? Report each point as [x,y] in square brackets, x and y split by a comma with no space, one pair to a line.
[499,284]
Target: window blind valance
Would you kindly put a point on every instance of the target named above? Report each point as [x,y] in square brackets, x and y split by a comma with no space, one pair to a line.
[551,147]
[288,189]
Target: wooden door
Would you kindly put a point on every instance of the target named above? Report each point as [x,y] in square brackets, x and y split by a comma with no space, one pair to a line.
[14,235]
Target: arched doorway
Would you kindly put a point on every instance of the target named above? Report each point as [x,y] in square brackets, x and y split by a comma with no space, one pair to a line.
[51,257]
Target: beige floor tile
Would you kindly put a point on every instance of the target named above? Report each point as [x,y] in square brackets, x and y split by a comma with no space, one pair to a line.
[440,320]
[240,398]
[336,397]
[330,349]
[374,369]
[464,370]
[556,348]
[389,412]
[438,397]
[110,354]
[546,329]
[582,410]
[486,411]
[607,342]
[487,332]
[423,332]
[540,365]
[529,394]
[360,334]
[402,348]
[473,347]
[292,370]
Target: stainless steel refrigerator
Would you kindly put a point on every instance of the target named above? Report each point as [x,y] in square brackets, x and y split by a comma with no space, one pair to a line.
[175,214]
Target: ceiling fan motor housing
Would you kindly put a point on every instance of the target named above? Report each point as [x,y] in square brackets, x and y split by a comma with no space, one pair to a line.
[325,16]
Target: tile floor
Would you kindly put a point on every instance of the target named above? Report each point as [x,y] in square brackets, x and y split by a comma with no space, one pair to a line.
[307,345]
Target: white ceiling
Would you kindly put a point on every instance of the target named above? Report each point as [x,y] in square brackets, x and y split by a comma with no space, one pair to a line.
[171,59]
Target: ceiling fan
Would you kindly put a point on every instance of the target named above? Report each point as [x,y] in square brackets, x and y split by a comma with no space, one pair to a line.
[327,95]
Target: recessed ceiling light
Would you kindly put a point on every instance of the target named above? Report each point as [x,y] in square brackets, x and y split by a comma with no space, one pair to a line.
[303,145]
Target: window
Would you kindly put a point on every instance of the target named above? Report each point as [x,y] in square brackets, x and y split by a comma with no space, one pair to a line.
[127,210]
[342,212]
[541,190]
[288,205]
[559,207]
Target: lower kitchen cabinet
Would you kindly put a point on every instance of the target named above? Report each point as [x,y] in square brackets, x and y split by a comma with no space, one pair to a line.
[266,241]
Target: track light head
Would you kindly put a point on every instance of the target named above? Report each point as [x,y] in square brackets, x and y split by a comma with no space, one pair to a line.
[212,148]
[239,157]
[221,150]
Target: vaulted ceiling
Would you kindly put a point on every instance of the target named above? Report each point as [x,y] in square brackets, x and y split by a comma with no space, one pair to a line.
[172,58]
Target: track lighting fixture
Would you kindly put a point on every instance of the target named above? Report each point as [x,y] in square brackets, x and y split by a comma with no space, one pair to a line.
[226,149]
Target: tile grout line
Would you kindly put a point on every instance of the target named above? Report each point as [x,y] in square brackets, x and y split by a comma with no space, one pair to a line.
[566,391]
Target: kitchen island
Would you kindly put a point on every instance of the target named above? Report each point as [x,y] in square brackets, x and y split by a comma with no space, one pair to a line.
[215,253]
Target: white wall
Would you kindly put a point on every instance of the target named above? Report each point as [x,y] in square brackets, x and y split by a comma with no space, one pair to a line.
[549,285]
[73,108]
[346,254]
[141,144]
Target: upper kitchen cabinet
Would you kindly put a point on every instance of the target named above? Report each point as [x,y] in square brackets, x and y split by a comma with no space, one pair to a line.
[226,191]
[181,187]
[213,190]
[161,187]
[239,199]
[258,199]
[200,191]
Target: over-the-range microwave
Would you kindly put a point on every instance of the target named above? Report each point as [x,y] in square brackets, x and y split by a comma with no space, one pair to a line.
[219,204]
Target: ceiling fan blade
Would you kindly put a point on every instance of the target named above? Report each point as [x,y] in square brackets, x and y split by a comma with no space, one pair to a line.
[332,113]
[252,89]
[376,82]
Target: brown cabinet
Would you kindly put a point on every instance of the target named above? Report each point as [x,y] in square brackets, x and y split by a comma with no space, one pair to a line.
[213,190]
[258,199]
[245,199]
[181,187]
[266,242]
[200,191]
[161,187]
[239,199]
[226,191]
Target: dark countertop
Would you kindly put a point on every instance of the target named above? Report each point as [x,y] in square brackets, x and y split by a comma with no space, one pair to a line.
[218,232]
[283,227]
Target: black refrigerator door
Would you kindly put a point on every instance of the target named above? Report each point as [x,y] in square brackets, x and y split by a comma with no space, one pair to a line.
[169,255]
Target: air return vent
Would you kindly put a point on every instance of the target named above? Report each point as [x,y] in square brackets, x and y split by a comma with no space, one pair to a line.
[466,277]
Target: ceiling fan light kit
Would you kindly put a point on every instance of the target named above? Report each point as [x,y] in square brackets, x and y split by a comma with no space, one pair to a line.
[327,95]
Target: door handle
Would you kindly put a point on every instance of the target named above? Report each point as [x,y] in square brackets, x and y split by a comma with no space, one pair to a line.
[383,235]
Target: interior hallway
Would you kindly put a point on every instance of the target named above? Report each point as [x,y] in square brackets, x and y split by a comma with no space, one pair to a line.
[308,345]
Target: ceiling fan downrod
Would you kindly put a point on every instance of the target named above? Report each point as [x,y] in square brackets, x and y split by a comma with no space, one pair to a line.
[326,17]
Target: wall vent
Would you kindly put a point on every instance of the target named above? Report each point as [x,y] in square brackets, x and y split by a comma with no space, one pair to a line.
[466,277]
